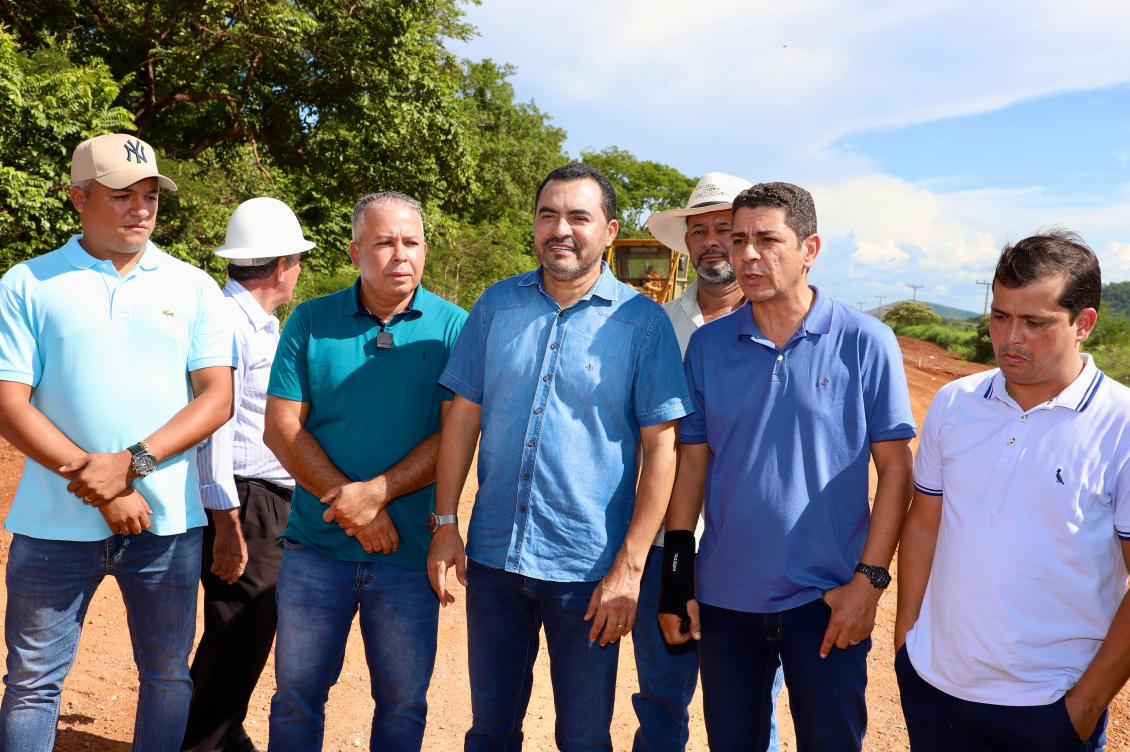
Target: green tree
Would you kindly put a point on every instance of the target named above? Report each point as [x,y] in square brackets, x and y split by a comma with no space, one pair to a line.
[642,187]
[909,313]
[47,106]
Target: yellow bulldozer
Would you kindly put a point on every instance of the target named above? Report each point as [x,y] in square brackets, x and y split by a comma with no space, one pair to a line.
[649,266]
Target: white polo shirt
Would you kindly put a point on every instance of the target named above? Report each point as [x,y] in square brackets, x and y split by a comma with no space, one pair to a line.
[1028,570]
[108,358]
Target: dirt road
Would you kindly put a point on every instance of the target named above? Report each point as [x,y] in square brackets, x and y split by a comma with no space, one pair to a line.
[101,693]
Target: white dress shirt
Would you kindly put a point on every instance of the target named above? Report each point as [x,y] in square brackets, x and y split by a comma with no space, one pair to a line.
[237,447]
[686,318]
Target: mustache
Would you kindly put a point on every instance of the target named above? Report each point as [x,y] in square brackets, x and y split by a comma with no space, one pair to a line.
[562,241]
[1016,350]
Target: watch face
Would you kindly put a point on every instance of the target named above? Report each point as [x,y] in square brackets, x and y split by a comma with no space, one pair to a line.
[432,522]
[144,463]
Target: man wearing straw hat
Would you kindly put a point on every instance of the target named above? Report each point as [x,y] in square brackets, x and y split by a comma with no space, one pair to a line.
[115,362]
[668,674]
[244,488]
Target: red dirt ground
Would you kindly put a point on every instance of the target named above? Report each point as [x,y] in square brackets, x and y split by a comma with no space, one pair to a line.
[101,693]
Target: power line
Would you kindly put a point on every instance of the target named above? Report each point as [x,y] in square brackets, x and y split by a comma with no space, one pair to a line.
[988,286]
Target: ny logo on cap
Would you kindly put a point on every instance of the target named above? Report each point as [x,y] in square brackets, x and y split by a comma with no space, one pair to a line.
[136,149]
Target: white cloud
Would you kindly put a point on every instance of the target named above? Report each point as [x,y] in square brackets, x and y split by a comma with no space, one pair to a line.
[769,86]
[1115,261]
[768,90]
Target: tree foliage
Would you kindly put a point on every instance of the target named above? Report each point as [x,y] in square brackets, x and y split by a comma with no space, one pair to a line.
[642,187]
[314,102]
[47,106]
[909,313]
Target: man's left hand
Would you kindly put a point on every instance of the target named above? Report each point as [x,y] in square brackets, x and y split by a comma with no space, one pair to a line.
[853,614]
[352,505]
[1083,717]
[229,552]
[612,608]
[98,478]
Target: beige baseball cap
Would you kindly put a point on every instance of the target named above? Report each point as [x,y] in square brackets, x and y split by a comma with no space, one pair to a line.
[116,160]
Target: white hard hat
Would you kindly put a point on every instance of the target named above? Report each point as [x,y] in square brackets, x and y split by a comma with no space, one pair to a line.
[261,229]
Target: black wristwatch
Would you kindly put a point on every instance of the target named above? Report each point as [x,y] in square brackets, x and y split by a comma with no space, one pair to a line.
[143,461]
[878,576]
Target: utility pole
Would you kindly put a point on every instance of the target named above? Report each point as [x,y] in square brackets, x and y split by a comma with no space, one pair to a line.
[914,291]
[859,304]
[988,286]
[880,297]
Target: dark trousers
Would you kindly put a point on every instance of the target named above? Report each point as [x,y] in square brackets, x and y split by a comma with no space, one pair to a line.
[939,722]
[239,624]
[738,658]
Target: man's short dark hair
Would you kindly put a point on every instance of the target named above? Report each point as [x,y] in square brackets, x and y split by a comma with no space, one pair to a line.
[1055,251]
[800,210]
[581,171]
[243,274]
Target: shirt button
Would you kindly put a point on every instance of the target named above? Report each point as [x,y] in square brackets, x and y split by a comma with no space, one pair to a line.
[537,411]
[522,509]
[531,442]
[1023,418]
[780,358]
[546,377]
[525,476]
[1011,442]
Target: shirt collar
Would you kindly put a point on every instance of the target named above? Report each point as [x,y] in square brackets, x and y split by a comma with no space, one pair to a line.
[818,320]
[1076,396]
[606,285]
[688,301]
[77,256]
[354,306]
[259,318]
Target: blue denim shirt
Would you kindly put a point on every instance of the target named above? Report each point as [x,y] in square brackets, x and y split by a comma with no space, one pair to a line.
[564,393]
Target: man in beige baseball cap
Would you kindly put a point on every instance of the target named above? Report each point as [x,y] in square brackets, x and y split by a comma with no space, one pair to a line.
[99,339]
[668,674]
[116,160]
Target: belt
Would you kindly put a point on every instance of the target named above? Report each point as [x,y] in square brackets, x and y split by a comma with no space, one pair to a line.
[280,491]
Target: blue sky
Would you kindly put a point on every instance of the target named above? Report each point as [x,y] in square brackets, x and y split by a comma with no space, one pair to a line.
[929,136]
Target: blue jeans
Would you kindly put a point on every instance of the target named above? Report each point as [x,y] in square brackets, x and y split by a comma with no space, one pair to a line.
[939,722]
[317,598]
[668,675]
[504,614]
[50,585]
[739,655]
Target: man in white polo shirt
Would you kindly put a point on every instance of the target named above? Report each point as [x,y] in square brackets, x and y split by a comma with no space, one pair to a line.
[1013,560]
[115,361]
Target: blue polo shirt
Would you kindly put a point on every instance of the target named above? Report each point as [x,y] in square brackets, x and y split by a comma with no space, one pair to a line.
[108,358]
[789,431]
[564,393]
[369,406]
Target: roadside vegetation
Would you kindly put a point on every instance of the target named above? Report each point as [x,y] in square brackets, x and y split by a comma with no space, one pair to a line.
[1109,343]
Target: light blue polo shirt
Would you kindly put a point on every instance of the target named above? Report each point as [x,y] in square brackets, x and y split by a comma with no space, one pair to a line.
[108,358]
[369,405]
[790,431]
[564,392]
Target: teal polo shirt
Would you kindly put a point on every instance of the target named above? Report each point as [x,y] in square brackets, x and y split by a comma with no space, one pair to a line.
[108,358]
[369,405]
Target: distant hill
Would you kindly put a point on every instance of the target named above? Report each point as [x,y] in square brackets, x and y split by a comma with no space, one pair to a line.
[946,312]
[1116,296]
